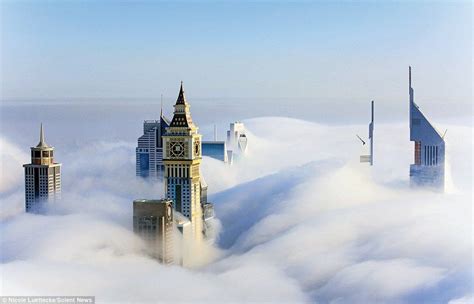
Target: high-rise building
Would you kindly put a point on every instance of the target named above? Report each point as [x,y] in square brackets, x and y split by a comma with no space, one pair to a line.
[236,138]
[149,151]
[153,221]
[428,167]
[369,158]
[182,159]
[42,177]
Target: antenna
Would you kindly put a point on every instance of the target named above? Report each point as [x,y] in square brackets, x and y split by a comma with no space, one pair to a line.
[372,118]
[410,89]
[363,142]
[161,107]
[369,158]
[41,133]
[444,133]
[409,76]
[371,135]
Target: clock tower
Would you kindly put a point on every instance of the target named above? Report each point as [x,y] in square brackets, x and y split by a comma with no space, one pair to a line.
[182,158]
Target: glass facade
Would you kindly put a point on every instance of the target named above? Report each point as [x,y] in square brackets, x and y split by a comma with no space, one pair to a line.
[144,164]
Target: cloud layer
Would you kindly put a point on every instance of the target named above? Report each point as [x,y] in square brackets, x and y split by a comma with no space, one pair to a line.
[301,220]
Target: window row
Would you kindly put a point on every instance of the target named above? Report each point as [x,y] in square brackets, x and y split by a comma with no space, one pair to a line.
[38,154]
[431,155]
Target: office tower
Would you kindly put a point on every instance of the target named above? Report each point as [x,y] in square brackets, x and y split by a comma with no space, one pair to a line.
[182,159]
[236,138]
[149,151]
[369,158]
[428,167]
[42,177]
[153,221]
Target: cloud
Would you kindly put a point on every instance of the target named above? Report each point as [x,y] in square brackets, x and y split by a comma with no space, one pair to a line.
[11,159]
[301,220]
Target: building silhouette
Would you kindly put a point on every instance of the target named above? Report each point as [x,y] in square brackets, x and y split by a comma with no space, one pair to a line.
[42,177]
[428,167]
[236,138]
[182,159]
[149,150]
[369,158]
[153,221]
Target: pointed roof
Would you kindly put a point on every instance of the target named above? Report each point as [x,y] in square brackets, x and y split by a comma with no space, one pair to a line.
[421,128]
[181,97]
[165,122]
[182,116]
[42,143]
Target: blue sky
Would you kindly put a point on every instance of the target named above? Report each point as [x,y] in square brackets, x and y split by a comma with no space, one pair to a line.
[343,50]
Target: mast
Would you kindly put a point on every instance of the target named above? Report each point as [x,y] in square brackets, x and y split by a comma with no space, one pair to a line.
[410,89]
[371,135]
[161,106]
[41,135]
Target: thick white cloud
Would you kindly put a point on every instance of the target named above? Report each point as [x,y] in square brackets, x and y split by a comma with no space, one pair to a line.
[302,220]
[11,160]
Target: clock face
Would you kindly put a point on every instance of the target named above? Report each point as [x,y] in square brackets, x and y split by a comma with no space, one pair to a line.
[177,149]
[197,147]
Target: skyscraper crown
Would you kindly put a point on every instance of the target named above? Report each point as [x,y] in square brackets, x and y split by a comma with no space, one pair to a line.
[182,115]
[181,97]
[42,143]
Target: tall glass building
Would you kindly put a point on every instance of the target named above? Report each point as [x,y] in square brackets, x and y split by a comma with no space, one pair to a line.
[42,177]
[149,151]
[428,167]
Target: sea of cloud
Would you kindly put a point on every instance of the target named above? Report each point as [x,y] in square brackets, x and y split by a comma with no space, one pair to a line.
[301,220]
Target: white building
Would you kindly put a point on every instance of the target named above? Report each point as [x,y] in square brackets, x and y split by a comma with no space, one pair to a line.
[42,177]
[236,138]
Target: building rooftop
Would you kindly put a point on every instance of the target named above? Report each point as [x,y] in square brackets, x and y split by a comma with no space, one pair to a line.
[181,220]
[152,201]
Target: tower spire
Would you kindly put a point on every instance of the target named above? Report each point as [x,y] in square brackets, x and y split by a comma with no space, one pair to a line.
[410,89]
[181,97]
[182,115]
[42,143]
[161,107]
[41,134]
[409,76]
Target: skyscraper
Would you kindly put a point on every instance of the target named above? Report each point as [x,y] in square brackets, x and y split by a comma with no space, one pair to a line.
[182,159]
[236,138]
[149,151]
[153,221]
[428,167]
[42,177]
[369,158]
